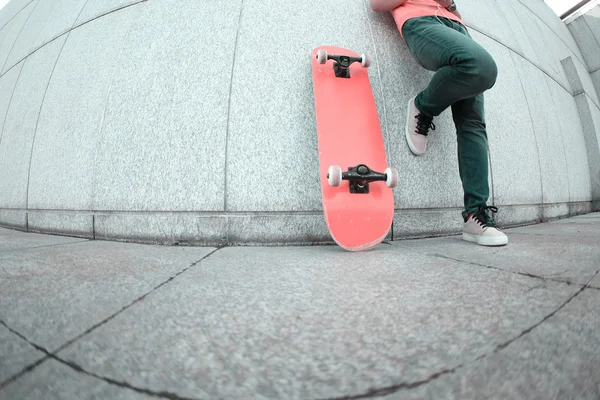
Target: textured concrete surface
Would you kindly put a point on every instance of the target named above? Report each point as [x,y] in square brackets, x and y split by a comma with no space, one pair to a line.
[16,354]
[21,122]
[69,124]
[168,122]
[585,31]
[413,319]
[14,29]
[94,280]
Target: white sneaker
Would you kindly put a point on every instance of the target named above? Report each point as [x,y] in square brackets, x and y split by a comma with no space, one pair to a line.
[480,228]
[417,128]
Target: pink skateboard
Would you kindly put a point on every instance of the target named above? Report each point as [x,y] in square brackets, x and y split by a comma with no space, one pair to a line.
[358,202]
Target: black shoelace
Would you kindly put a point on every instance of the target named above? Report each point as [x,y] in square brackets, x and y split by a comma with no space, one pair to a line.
[424,124]
[483,218]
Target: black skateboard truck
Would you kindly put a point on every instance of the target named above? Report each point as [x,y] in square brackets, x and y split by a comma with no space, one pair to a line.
[360,176]
[342,63]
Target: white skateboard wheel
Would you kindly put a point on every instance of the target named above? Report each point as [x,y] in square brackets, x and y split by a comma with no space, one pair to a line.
[334,175]
[391,180]
[321,56]
[366,61]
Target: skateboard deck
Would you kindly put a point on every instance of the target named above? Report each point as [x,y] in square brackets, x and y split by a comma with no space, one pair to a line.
[356,182]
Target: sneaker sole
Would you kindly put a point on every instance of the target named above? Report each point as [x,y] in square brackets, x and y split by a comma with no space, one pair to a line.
[407,132]
[486,240]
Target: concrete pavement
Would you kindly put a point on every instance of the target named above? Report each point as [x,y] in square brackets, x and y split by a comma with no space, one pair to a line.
[431,318]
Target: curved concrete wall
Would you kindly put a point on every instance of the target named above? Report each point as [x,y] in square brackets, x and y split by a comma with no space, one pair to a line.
[193,122]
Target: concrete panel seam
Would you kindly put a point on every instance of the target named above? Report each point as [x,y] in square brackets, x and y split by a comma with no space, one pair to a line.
[42,106]
[562,140]
[18,12]
[9,102]
[228,124]
[594,36]
[38,121]
[3,39]
[551,29]
[75,26]
[79,369]
[17,37]
[103,119]
[72,28]
[537,149]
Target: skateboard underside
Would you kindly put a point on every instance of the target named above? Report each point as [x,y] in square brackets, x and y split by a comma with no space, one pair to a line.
[358,214]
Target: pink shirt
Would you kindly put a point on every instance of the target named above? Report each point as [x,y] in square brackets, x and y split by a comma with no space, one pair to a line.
[420,8]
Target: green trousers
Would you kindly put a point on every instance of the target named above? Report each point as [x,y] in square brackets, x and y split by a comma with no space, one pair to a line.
[463,71]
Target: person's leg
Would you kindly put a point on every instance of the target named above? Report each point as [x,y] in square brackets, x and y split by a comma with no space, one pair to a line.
[469,119]
[463,69]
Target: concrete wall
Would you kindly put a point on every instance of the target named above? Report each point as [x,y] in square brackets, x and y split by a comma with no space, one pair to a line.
[193,122]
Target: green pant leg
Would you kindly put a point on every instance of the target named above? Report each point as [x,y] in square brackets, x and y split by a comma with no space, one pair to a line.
[464,70]
[469,120]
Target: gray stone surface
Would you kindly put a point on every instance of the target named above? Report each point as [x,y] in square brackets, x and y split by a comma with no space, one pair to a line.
[4,32]
[62,165]
[55,381]
[493,23]
[7,86]
[203,229]
[583,207]
[11,240]
[279,228]
[543,364]
[591,128]
[60,20]
[11,9]
[547,130]
[26,42]
[596,80]
[592,17]
[565,252]
[423,223]
[585,107]
[13,218]
[301,323]
[571,134]
[543,12]
[524,48]
[507,98]
[580,219]
[21,121]
[564,229]
[587,83]
[554,211]
[541,38]
[16,26]
[276,128]
[595,111]
[162,228]
[575,85]
[54,294]
[589,45]
[171,111]
[65,223]
[95,9]
[15,353]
